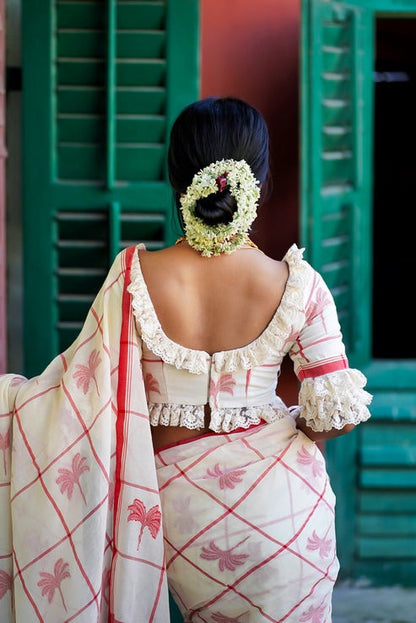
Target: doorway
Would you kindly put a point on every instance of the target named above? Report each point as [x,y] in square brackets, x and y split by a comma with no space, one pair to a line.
[394,209]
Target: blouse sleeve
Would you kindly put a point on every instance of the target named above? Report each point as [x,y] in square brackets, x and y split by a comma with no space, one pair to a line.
[332,394]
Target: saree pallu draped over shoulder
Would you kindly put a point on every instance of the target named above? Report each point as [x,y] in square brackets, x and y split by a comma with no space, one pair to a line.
[80,520]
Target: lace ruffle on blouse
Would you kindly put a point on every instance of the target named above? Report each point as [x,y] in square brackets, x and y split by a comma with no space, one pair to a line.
[222,420]
[273,340]
[334,400]
[328,401]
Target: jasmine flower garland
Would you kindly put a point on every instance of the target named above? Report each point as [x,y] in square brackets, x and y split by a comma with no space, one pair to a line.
[224,237]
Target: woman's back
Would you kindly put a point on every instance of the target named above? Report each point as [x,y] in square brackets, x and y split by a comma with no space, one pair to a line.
[213,304]
[210,304]
[239,521]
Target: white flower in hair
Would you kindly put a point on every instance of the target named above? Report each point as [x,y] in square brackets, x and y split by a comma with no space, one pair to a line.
[238,177]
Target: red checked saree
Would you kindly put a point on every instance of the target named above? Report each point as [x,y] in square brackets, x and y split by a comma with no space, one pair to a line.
[80,530]
[240,523]
[249,527]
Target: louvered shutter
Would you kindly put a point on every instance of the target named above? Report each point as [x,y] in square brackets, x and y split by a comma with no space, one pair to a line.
[336,103]
[386,503]
[336,109]
[102,83]
[372,469]
[386,500]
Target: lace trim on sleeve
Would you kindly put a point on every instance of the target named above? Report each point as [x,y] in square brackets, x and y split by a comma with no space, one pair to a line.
[334,400]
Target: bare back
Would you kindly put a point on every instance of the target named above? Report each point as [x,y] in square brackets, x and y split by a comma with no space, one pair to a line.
[211,304]
[217,303]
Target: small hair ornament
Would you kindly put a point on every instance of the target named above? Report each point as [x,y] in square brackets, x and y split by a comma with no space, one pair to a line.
[237,176]
[222,182]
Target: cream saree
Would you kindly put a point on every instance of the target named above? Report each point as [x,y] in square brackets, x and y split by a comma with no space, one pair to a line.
[245,520]
[80,523]
[249,527]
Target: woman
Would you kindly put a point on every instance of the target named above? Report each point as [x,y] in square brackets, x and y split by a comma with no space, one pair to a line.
[234,509]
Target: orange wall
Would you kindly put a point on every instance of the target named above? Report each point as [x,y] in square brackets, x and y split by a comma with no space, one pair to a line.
[251,50]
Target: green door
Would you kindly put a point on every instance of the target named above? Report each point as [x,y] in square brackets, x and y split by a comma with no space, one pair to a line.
[102,83]
[373,469]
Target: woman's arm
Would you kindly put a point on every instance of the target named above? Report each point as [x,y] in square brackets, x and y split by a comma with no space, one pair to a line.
[332,398]
[324,435]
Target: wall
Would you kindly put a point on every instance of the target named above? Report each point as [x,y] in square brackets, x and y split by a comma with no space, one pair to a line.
[13,191]
[251,50]
[3,155]
[248,49]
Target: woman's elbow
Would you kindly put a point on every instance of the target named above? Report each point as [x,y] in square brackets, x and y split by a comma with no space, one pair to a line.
[347,428]
[324,435]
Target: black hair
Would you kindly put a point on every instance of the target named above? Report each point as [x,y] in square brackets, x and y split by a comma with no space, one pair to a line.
[214,129]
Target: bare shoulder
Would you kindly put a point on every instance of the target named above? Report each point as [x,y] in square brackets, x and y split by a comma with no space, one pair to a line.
[183,286]
[270,271]
[253,263]
[166,270]
[159,258]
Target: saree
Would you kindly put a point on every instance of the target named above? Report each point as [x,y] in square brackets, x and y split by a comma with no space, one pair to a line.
[249,527]
[91,529]
[80,520]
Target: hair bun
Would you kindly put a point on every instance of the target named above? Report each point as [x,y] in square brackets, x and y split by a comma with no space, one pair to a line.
[216,208]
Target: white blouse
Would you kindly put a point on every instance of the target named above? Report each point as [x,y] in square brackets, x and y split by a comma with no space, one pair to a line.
[240,384]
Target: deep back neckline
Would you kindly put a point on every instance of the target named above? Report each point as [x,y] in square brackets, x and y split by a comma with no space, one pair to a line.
[170,351]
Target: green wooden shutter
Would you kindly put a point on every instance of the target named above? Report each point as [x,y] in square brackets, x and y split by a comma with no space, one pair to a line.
[386,509]
[102,83]
[372,469]
[336,152]
[335,219]
[386,500]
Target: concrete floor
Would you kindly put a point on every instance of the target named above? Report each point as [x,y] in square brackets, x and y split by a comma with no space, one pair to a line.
[355,603]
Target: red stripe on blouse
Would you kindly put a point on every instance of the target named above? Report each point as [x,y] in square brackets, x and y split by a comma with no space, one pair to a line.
[322,368]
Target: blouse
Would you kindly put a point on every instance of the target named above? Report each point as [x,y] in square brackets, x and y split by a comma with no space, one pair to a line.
[240,384]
